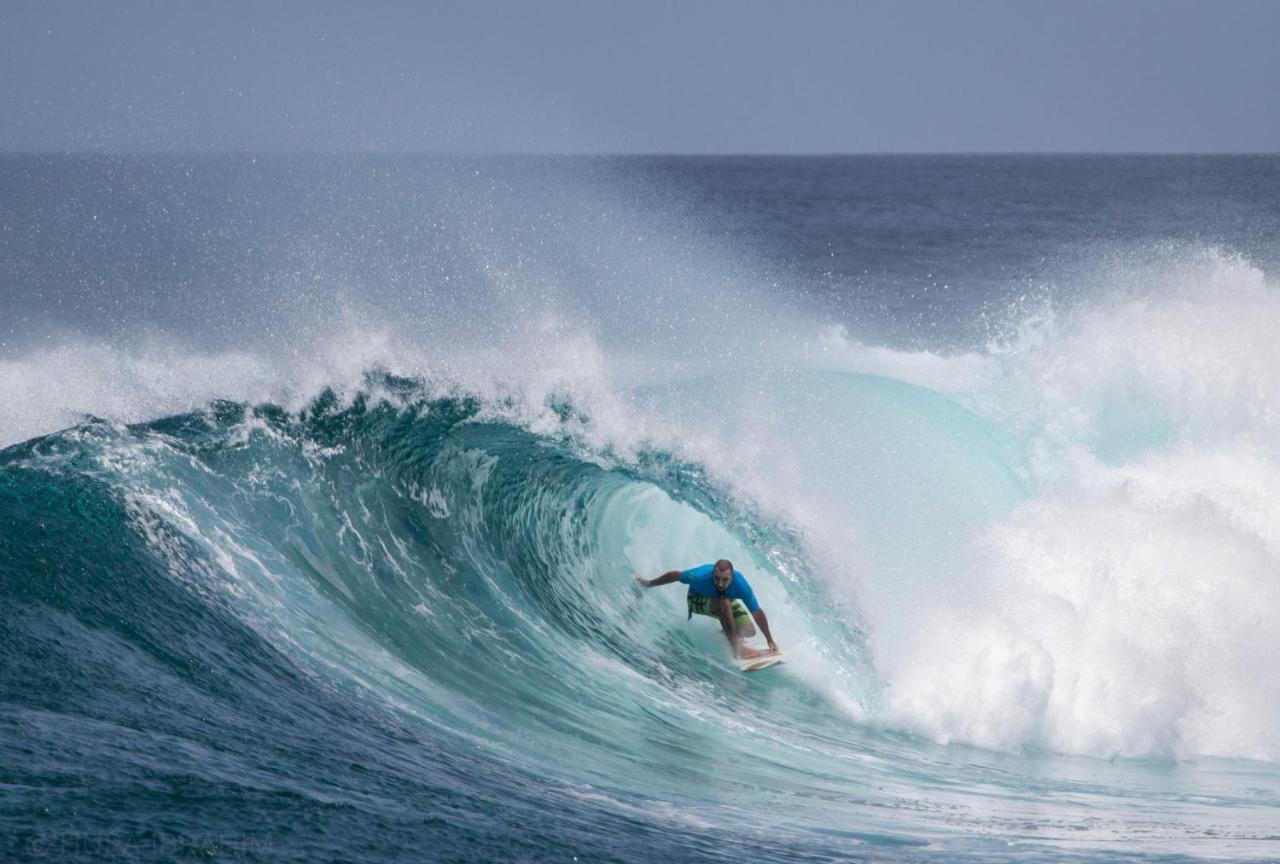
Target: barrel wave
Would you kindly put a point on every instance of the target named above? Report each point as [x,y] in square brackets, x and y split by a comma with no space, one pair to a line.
[324,484]
[340,609]
[410,618]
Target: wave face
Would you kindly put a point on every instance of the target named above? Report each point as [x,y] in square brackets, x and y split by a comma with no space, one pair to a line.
[388,594]
[358,584]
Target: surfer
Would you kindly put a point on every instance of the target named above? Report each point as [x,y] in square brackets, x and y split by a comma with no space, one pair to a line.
[719,591]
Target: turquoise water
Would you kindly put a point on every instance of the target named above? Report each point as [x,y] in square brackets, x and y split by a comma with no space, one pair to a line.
[345,584]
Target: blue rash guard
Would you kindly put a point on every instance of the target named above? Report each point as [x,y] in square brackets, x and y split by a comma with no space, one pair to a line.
[699,581]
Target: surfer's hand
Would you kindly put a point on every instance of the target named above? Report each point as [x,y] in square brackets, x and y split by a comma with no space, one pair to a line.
[643,582]
[773,647]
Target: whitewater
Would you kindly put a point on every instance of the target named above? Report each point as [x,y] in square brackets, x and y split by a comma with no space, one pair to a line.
[325,481]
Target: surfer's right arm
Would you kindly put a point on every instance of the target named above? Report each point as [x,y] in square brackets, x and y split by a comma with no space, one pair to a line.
[665,579]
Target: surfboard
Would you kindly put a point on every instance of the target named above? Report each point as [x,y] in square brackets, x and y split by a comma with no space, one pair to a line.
[755,664]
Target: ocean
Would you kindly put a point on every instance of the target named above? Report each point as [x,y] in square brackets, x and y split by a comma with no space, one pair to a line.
[324,481]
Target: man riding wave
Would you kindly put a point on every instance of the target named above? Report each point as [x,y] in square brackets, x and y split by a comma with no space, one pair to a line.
[719,591]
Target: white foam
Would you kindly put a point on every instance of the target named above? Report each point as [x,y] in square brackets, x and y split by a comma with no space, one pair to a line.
[1128,607]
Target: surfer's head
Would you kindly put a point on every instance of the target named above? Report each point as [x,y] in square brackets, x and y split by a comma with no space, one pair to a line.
[722,574]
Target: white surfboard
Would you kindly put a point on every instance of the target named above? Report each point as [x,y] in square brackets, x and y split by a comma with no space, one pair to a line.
[755,664]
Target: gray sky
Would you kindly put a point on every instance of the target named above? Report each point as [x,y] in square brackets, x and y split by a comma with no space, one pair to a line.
[669,77]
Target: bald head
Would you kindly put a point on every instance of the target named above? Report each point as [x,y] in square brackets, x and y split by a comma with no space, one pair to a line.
[722,574]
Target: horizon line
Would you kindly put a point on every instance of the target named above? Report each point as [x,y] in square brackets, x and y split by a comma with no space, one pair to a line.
[727,154]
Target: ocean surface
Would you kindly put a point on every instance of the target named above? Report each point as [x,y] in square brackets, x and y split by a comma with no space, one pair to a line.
[324,481]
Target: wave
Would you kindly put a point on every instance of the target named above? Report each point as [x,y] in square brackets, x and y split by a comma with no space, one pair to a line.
[456,566]
[1063,542]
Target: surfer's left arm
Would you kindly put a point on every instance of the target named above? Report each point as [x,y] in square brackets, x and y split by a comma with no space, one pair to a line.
[747,596]
[762,621]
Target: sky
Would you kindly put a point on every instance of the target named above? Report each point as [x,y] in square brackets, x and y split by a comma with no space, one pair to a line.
[699,76]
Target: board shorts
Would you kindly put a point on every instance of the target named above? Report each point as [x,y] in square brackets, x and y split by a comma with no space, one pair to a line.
[699,605]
